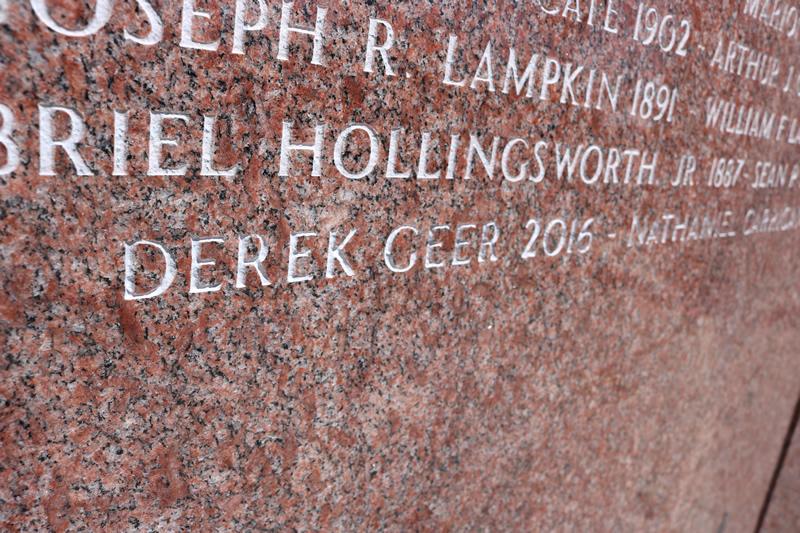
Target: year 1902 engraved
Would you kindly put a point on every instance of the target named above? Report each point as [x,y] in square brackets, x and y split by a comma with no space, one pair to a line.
[668,33]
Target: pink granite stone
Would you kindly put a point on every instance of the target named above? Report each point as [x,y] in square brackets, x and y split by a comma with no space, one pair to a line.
[627,388]
[783,512]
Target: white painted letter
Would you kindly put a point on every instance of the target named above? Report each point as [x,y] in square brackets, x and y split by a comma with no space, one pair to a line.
[102,14]
[382,49]
[460,243]
[295,254]
[130,279]
[156,26]
[120,143]
[156,142]
[317,33]
[609,25]
[209,148]
[287,147]
[487,162]
[391,166]
[550,76]
[487,243]
[519,82]
[240,26]
[338,150]
[47,145]
[335,254]
[187,16]
[195,287]
[12,151]
[523,169]
[422,167]
[486,66]
[388,254]
[448,63]
[242,262]
[432,245]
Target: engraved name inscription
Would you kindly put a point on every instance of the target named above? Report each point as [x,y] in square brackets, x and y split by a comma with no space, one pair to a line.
[135,140]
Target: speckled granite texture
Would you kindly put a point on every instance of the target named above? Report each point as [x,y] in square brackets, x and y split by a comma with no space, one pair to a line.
[783,514]
[625,389]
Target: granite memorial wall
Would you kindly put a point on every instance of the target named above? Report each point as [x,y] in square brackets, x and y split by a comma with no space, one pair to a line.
[397,265]
[782,512]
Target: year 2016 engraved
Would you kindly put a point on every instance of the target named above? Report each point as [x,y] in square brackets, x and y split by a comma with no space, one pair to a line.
[559,236]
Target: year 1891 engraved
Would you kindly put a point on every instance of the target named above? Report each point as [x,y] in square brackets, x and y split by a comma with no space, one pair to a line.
[654,102]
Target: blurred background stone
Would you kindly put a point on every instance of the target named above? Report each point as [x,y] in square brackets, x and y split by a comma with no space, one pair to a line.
[621,388]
